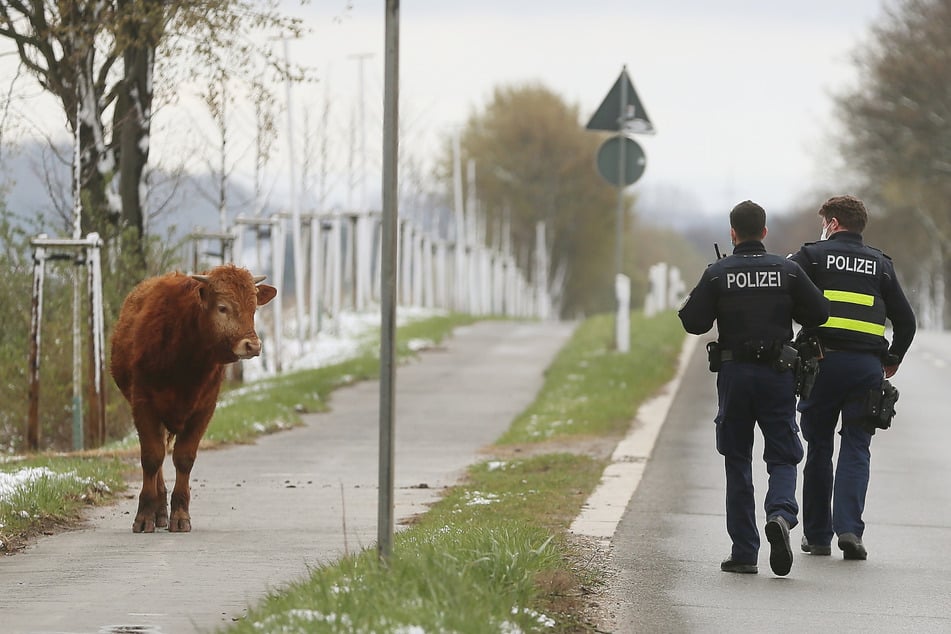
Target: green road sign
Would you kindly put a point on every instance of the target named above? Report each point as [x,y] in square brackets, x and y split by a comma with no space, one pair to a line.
[609,158]
[621,110]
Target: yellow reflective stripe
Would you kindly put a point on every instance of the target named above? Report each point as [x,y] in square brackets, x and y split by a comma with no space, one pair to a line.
[856,325]
[850,298]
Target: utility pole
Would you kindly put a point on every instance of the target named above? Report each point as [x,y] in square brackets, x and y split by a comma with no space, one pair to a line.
[360,255]
[362,128]
[295,209]
[78,438]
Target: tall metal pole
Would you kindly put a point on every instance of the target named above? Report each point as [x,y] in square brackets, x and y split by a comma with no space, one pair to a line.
[78,441]
[295,211]
[361,130]
[388,278]
[619,226]
[622,172]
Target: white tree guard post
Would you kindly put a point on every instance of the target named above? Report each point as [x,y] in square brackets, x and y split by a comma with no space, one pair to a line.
[485,276]
[315,269]
[418,270]
[335,266]
[509,286]
[363,231]
[277,266]
[441,270]
[461,302]
[348,263]
[359,284]
[543,305]
[87,254]
[622,290]
[656,298]
[272,352]
[472,283]
[429,283]
[498,284]
[403,266]
[376,272]
[675,287]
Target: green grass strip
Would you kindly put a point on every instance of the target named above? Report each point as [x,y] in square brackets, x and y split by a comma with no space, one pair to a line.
[591,389]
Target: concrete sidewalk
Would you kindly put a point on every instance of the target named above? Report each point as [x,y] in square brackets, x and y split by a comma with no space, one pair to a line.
[263,514]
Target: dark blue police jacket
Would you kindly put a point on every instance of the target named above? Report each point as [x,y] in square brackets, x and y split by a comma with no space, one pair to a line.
[860,282]
[753,296]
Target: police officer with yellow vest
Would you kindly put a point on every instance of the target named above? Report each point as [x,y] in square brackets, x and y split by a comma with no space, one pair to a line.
[753,296]
[860,281]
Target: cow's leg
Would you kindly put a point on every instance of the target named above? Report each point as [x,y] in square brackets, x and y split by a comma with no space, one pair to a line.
[183,456]
[152,444]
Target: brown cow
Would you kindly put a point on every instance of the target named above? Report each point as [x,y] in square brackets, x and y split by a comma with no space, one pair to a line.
[174,334]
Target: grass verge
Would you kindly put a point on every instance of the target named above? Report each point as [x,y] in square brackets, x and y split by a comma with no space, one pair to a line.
[591,389]
[494,555]
[45,493]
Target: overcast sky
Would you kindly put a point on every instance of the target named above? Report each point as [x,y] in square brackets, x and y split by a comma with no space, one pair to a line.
[738,91]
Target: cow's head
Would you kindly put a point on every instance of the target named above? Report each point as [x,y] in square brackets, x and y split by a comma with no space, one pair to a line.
[229,297]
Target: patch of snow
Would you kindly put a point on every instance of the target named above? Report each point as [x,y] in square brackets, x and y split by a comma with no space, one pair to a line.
[340,340]
[10,483]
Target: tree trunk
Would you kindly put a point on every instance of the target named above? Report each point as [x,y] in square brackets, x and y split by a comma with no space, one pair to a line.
[132,120]
[131,126]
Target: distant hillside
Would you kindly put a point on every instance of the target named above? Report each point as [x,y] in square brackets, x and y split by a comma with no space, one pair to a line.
[36,182]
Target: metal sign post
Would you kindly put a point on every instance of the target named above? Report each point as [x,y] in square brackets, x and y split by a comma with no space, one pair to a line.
[621,162]
[388,279]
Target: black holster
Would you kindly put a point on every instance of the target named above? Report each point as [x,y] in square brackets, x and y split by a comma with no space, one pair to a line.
[714,357]
[809,352]
[879,408]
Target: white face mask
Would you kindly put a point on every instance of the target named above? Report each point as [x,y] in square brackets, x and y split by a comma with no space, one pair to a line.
[824,234]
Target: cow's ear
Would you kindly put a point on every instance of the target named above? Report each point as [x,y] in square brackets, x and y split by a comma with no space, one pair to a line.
[265,294]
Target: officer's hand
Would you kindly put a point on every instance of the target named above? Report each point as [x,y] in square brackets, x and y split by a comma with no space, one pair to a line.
[890,371]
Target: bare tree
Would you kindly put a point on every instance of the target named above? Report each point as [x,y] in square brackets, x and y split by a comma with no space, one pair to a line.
[896,135]
[99,59]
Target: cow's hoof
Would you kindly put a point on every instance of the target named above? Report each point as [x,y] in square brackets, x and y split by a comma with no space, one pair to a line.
[180,525]
[143,525]
[161,520]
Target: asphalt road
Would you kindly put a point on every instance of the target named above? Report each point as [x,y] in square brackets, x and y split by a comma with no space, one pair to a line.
[263,514]
[671,538]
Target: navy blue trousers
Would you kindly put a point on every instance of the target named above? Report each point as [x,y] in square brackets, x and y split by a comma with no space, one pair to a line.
[751,393]
[833,500]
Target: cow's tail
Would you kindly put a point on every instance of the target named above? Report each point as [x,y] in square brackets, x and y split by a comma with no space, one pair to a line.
[169,441]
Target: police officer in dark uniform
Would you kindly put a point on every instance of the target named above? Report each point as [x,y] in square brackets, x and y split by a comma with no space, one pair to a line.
[864,292]
[753,296]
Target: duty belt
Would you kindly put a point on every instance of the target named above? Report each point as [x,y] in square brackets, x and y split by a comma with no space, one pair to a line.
[739,355]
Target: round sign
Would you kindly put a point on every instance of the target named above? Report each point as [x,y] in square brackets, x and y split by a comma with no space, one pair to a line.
[609,158]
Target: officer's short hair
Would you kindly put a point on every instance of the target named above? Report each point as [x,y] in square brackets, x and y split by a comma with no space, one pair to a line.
[848,210]
[748,220]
